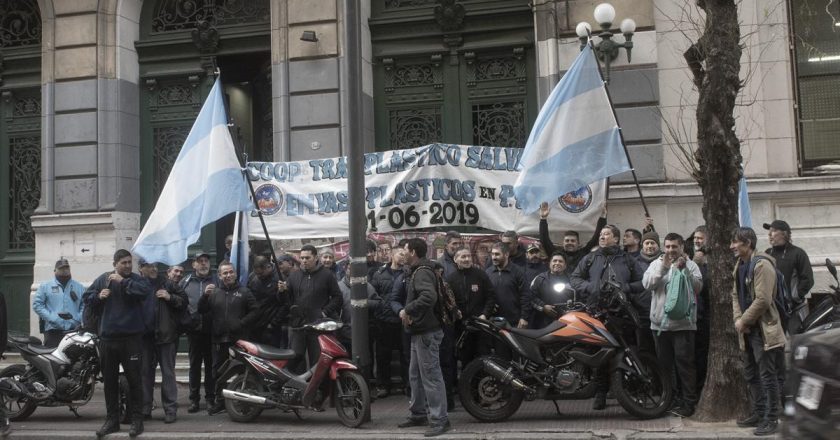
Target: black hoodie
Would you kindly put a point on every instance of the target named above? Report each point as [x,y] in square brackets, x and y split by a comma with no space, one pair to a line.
[315,292]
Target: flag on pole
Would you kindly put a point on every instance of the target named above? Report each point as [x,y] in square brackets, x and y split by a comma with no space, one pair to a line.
[205,183]
[240,249]
[744,213]
[575,140]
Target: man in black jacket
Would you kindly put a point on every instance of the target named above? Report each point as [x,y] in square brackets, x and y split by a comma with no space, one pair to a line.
[508,281]
[232,310]
[571,240]
[262,283]
[198,335]
[549,289]
[447,260]
[428,392]
[117,297]
[315,291]
[608,263]
[387,323]
[475,297]
[161,311]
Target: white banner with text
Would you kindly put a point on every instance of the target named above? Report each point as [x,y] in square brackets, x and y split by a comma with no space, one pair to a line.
[434,186]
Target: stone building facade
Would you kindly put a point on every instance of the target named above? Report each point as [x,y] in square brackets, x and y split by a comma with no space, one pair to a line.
[96,97]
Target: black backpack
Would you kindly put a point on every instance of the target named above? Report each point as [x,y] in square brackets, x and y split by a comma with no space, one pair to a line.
[782,298]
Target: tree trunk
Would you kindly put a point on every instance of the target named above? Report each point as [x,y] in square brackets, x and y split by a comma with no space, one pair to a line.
[715,62]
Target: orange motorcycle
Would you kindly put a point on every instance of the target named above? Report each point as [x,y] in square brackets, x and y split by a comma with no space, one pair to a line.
[559,362]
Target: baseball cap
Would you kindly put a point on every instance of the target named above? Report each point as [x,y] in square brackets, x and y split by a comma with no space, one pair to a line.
[62,262]
[287,258]
[778,224]
[200,254]
[142,262]
[533,247]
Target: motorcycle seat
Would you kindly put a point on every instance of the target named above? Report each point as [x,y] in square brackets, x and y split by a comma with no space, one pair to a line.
[37,349]
[273,353]
[537,333]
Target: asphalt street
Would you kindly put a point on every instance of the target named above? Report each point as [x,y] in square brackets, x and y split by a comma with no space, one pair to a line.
[536,419]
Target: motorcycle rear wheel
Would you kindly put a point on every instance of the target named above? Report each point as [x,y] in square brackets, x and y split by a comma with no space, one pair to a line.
[645,400]
[239,411]
[21,408]
[352,399]
[484,397]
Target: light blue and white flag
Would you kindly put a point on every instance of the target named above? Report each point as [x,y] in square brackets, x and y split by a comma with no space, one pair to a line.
[744,213]
[575,140]
[206,183]
[240,249]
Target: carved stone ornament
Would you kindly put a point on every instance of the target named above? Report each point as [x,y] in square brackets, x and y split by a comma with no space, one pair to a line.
[205,37]
[449,14]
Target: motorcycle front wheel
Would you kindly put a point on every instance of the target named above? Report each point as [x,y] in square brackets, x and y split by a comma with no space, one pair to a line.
[242,411]
[22,407]
[484,397]
[352,399]
[644,398]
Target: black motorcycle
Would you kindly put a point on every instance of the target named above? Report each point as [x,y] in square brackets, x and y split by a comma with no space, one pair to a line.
[62,376]
[826,310]
[561,361]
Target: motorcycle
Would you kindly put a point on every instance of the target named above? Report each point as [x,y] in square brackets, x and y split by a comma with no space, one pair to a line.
[258,377]
[825,311]
[561,360]
[62,376]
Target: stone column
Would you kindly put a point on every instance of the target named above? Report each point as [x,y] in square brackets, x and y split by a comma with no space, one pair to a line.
[90,197]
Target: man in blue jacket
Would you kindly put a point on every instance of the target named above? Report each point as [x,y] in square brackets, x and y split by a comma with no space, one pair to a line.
[58,302]
[116,297]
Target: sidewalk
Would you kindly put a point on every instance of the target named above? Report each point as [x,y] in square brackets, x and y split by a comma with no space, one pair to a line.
[535,420]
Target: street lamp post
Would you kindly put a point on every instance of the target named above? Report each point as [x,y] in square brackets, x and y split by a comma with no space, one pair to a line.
[607,49]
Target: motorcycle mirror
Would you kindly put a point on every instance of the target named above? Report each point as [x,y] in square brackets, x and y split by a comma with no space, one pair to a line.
[831,268]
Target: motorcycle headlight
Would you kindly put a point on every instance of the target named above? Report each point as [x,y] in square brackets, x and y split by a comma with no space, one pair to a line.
[327,326]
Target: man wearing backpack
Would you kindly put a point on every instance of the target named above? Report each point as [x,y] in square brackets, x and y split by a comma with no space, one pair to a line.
[674,280]
[608,263]
[428,393]
[760,334]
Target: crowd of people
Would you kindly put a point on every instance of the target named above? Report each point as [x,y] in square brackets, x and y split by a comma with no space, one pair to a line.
[140,317]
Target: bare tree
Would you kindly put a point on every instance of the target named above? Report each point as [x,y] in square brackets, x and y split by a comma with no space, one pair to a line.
[715,63]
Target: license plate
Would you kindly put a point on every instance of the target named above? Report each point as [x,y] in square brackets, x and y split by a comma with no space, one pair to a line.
[810,392]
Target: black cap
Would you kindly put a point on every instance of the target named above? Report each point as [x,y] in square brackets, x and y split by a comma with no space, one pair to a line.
[62,262]
[142,262]
[778,224]
[287,258]
[533,247]
[200,254]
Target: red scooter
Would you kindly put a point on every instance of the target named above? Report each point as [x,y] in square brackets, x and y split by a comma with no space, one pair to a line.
[257,377]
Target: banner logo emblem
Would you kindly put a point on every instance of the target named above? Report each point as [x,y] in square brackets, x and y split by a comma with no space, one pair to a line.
[576,201]
[269,199]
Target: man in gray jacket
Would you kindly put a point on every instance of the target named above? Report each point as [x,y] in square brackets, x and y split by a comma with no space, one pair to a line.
[428,392]
[674,338]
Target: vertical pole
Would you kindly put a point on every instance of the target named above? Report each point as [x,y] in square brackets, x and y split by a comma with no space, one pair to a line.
[352,118]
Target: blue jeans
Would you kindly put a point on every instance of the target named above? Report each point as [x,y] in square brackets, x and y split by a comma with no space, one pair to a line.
[760,372]
[428,393]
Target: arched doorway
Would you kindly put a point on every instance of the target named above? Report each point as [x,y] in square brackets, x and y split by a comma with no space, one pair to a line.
[20,152]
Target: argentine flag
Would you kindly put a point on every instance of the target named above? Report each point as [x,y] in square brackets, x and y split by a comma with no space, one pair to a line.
[575,140]
[206,183]
[744,211]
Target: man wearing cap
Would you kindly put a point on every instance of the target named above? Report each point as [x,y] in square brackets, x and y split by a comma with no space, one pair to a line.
[285,265]
[535,264]
[161,312]
[793,262]
[58,302]
[198,335]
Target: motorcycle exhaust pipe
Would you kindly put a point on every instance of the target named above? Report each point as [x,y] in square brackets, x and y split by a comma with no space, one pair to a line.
[505,376]
[248,398]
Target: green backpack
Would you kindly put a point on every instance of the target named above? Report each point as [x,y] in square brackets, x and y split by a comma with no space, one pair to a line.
[679,298]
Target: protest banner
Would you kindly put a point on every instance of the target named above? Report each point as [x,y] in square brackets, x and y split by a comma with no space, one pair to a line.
[435,186]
